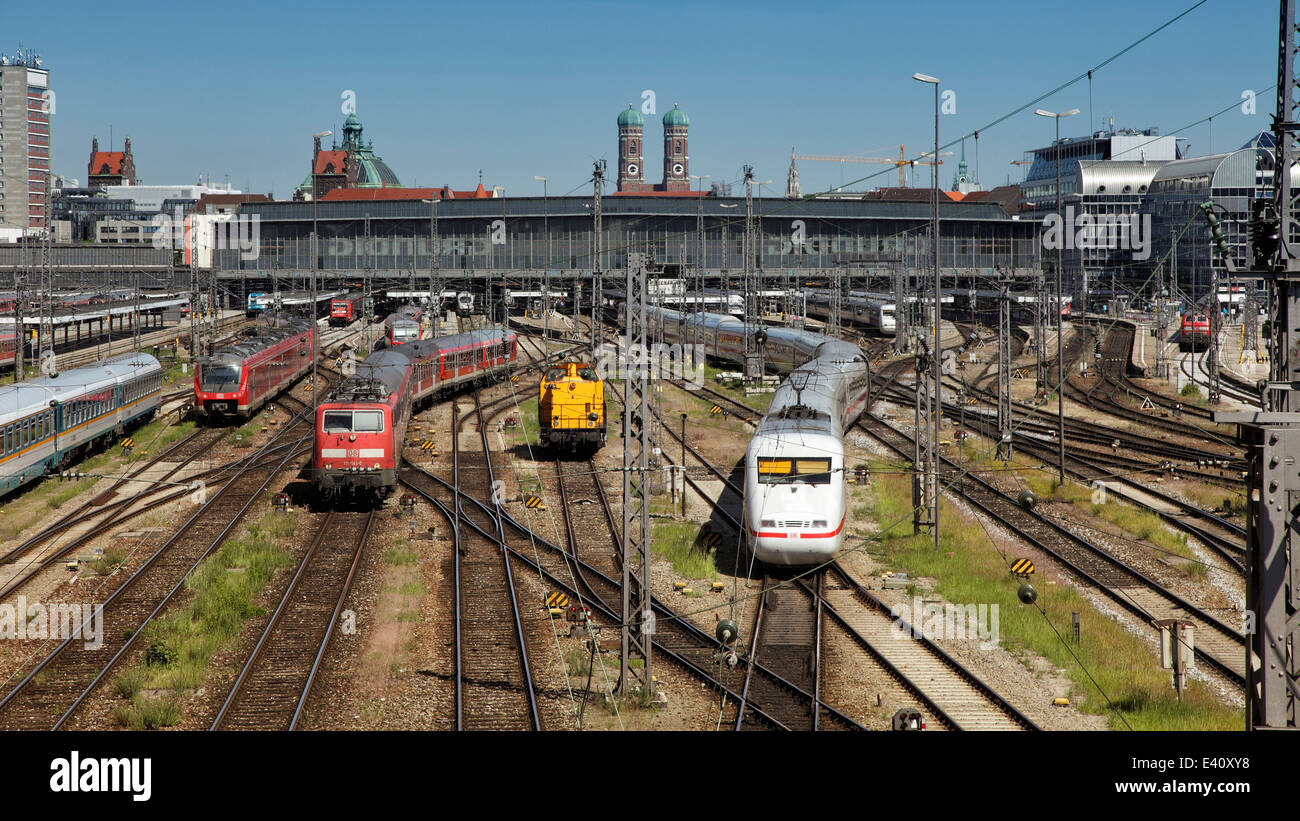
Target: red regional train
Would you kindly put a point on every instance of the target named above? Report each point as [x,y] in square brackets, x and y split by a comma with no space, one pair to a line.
[236,380]
[404,326]
[1194,332]
[346,310]
[360,428]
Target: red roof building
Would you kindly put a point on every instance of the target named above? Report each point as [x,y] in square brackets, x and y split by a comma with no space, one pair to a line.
[110,167]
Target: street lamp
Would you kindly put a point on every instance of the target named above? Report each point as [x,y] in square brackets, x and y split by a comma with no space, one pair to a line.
[699,257]
[546,285]
[1060,326]
[935,349]
[435,265]
[315,266]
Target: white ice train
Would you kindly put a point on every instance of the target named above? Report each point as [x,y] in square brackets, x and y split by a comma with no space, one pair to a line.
[48,422]
[794,505]
[870,312]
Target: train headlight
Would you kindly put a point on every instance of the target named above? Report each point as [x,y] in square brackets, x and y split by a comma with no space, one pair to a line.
[769,523]
[819,523]
[328,466]
[352,437]
[376,466]
[593,416]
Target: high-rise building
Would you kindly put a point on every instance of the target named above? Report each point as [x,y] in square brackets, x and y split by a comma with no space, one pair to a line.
[26,103]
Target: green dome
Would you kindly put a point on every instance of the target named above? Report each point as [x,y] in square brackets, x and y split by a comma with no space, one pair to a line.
[630,118]
[676,117]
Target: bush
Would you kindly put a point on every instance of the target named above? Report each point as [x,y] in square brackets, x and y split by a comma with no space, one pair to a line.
[160,655]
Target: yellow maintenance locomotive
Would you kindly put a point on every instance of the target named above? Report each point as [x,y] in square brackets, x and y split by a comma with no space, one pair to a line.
[571,408]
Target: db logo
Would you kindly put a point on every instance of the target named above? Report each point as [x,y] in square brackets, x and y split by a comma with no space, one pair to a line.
[348,364]
[48,366]
[198,492]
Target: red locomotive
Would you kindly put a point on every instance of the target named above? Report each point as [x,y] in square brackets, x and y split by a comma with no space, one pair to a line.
[345,311]
[236,380]
[1194,332]
[361,427]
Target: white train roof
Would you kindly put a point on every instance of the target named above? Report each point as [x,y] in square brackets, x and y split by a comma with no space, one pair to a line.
[17,401]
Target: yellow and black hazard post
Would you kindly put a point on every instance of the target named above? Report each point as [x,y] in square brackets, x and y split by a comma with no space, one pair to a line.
[128,444]
[711,540]
[534,502]
[557,602]
[1023,568]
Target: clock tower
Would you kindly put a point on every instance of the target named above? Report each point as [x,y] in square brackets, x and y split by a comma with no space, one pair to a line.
[677,166]
[631,169]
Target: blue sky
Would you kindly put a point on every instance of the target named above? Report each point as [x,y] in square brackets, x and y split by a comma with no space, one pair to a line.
[521,89]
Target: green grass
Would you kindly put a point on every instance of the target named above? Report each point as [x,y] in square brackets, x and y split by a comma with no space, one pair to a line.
[181,645]
[1122,663]
[675,541]
[528,432]
[242,437]
[1136,523]
[1191,391]
[401,553]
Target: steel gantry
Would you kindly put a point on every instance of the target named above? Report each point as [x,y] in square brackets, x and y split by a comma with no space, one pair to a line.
[597,257]
[1004,451]
[1273,434]
[638,618]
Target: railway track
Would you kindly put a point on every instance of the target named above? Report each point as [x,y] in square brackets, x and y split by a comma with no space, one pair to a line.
[271,690]
[75,669]
[795,614]
[1219,646]
[52,693]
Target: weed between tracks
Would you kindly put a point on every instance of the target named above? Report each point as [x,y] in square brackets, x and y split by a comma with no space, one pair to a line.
[1123,664]
[221,594]
[527,432]
[1133,522]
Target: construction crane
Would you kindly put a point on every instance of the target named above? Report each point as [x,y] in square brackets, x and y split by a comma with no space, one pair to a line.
[902,162]
[1022,162]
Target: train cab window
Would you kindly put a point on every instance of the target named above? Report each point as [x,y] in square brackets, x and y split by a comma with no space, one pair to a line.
[337,421]
[220,378]
[786,470]
[588,373]
[367,421]
[554,374]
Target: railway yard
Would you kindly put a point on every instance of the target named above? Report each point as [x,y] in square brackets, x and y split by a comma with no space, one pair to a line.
[217,587]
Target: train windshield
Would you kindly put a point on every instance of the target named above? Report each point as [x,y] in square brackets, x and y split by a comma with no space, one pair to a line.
[220,378]
[344,421]
[785,470]
[406,330]
[554,374]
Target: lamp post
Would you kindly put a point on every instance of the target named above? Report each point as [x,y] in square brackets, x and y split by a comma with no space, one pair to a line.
[935,350]
[699,259]
[1060,326]
[683,464]
[546,285]
[435,265]
[315,266]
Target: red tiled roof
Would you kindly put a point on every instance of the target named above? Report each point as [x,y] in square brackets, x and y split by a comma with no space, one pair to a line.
[325,158]
[107,162]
